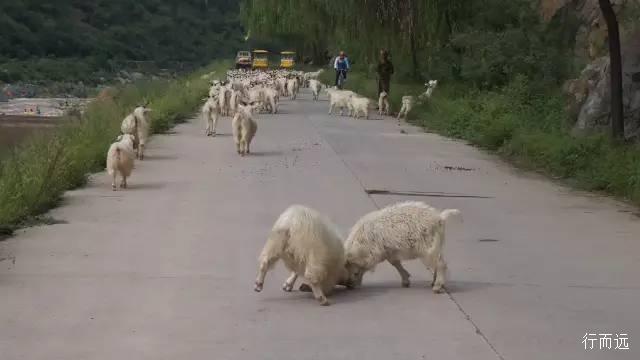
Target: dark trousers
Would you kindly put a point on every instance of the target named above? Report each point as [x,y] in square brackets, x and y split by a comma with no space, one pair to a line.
[338,75]
[383,85]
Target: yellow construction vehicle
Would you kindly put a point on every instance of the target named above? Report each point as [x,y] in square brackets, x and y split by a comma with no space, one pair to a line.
[287,59]
[260,59]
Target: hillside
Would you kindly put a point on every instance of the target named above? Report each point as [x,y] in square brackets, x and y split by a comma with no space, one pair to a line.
[74,39]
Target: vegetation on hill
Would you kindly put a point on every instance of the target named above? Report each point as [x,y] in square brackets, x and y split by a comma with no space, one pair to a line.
[85,40]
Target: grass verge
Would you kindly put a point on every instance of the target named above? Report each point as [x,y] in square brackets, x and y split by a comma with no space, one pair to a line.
[34,175]
[525,123]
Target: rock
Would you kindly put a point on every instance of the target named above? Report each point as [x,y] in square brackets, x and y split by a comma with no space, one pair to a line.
[137,76]
[589,96]
[591,34]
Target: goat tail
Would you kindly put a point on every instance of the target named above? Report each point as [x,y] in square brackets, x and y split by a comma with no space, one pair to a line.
[451,213]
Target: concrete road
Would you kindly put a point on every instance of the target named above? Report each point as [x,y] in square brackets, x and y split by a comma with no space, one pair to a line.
[165,269]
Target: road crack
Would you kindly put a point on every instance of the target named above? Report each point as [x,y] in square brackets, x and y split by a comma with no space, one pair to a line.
[355,176]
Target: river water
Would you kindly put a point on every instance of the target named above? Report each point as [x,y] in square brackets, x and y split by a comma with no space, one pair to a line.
[21,118]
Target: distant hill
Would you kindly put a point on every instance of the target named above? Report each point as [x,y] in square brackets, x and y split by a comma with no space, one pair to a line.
[68,39]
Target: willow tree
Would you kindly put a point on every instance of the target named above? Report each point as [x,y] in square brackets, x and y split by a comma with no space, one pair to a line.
[304,18]
[410,27]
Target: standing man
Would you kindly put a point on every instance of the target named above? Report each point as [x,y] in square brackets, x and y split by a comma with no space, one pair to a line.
[341,65]
[385,70]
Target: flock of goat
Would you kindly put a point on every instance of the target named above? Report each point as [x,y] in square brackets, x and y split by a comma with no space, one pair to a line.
[308,243]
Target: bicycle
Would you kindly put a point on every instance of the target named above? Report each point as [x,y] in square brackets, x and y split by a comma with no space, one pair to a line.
[341,78]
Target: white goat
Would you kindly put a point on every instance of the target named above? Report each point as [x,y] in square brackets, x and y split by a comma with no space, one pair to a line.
[359,106]
[316,87]
[430,85]
[244,127]
[210,114]
[224,99]
[271,99]
[292,88]
[383,103]
[312,75]
[407,105]
[120,159]
[404,231]
[282,86]
[214,90]
[310,246]
[233,101]
[339,98]
[257,95]
[137,124]
[237,86]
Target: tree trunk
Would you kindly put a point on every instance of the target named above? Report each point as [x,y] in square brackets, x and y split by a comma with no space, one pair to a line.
[318,54]
[414,56]
[617,116]
[412,38]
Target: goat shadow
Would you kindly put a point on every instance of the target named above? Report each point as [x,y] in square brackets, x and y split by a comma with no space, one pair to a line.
[159,157]
[266,153]
[459,287]
[340,295]
[145,186]
[379,288]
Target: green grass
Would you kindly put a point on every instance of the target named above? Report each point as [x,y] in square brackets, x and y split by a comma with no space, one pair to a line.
[34,176]
[526,124]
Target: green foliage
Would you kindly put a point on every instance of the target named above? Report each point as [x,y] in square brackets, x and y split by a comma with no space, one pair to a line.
[72,39]
[485,43]
[35,174]
[527,126]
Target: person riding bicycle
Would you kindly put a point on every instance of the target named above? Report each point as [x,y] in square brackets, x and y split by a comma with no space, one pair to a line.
[341,65]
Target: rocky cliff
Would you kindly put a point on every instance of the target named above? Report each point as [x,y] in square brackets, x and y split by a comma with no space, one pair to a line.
[589,95]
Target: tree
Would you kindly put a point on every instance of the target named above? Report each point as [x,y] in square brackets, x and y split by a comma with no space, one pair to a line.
[615,57]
